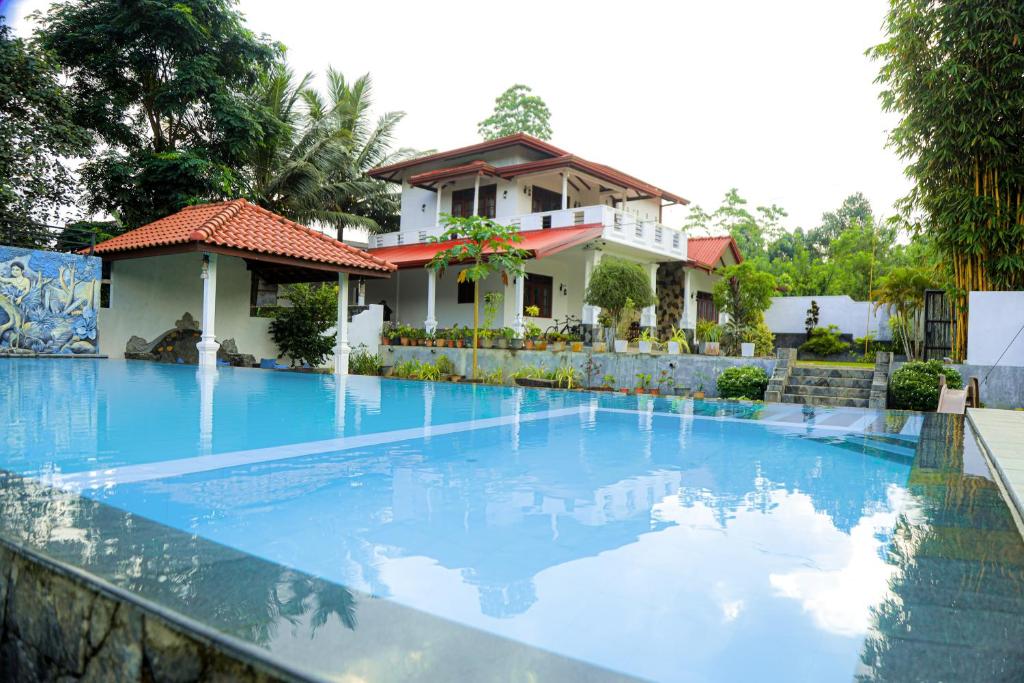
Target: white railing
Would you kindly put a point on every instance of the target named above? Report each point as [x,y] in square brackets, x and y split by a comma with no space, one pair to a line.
[619,228]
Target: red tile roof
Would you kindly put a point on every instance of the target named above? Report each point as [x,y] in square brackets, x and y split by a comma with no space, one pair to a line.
[249,229]
[539,243]
[706,251]
[555,158]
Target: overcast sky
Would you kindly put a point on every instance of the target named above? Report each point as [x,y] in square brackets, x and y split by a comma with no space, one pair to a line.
[775,98]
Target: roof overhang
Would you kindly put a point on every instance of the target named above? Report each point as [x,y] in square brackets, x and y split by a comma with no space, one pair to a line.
[539,243]
[391,171]
[317,270]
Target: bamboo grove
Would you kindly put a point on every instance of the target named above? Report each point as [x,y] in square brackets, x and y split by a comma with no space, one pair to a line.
[954,72]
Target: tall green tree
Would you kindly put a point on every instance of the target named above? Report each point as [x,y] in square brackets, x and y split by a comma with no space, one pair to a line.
[164,85]
[517,110]
[314,168]
[485,247]
[855,208]
[952,70]
[37,134]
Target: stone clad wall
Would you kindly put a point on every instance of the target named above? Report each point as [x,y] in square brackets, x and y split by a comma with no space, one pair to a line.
[48,302]
[671,297]
[55,626]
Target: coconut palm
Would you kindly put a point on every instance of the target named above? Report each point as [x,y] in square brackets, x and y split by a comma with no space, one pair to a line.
[902,292]
[313,168]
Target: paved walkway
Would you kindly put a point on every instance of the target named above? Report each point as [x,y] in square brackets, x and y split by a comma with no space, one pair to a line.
[1002,433]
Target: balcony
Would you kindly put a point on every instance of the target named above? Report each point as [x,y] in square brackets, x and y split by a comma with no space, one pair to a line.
[620,228]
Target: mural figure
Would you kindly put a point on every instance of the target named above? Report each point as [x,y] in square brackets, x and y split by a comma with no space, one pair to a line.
[48,301]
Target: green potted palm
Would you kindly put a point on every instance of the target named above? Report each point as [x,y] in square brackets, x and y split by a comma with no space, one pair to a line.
[646,340]
[708,334]
[677,343]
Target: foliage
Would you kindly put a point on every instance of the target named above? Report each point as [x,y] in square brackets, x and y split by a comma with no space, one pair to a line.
[444,365]
[496,376]
[825,341]
[566,376]
[487,247]
[679,337]
[902,292]
[646,335]
[312,166]
[165,86]
[748,381]
[952,71]
[37,133]
[813,315]
[643,380]
[616,283]
[517,110]
[744,293]
[708,331]
[915,386]
[608,381]
[532,331]
[492,301]
[752,231]
[362,362]
[298,329]
[665,380]
[762,338]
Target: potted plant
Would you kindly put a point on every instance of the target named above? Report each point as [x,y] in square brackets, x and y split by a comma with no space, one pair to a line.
[429,337]
[557,341]
[709,333]
[387,333]
[514,340]
[607,383]
[486,337]
[532,333]
[403,334]
[503,337]
[646,341]
[643,382]
[664,380]
[701,379]
[677,342]
[575,342]
[607,327]
[492,300]
[619,288]
[455,335]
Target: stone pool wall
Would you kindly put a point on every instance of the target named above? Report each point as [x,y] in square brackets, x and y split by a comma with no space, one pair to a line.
[57,625]
[688,371]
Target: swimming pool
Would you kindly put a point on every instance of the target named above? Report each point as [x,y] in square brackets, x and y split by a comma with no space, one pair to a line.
[662,538]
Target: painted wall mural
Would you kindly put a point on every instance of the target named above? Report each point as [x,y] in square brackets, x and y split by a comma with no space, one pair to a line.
[48,301]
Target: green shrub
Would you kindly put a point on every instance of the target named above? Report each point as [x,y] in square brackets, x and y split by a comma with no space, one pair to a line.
[365,363]
[824,341]
[298,329]
[915,386]
[764,340]
[445,366]
[748,381]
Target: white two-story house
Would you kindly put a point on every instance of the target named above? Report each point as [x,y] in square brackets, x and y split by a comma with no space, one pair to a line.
[571,211]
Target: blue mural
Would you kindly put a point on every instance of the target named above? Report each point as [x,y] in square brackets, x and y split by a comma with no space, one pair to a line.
[48,301]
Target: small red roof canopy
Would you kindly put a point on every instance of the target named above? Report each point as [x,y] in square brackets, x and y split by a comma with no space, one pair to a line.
[238,228]
[705,252]
[539,243]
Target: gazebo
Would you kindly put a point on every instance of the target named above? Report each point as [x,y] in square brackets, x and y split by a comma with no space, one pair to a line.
[276,249]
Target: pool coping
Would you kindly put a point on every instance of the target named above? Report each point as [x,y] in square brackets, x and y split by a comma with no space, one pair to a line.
[998,453]
[226,645]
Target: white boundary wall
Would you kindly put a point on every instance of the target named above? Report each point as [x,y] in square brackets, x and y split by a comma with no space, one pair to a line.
[788,313]
[993,320]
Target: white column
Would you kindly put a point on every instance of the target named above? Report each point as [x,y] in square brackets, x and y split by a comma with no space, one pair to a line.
[649,316]
[207,379]
[684,322]
[341,350]
[361,293]
[437,211]
[208,345]
[476,195]
[517,322]
[431,322]
[565,191]
[590,312]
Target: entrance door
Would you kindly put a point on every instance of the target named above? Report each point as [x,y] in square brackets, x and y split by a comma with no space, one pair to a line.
[545,200]
[462,202]
[706,309]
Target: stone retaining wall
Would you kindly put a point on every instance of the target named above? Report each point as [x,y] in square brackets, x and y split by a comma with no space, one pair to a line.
[58,625]
[688,371]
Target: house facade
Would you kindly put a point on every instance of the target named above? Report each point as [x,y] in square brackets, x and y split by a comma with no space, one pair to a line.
[571,212]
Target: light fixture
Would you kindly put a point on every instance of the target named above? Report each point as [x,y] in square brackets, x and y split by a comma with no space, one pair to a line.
[423,208]
[504,194]
[563,289]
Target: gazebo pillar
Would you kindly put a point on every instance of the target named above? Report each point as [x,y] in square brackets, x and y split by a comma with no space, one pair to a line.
[476,195]
[208,345]
[565,191]
[430,324]
[342,349]
[517,321]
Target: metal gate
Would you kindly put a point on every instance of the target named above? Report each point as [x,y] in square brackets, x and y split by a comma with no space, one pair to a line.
[938,325]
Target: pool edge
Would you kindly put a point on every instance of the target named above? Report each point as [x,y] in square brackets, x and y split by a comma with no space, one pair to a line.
[1013,502]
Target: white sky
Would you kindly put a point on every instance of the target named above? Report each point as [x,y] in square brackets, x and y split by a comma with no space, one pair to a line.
[775,98]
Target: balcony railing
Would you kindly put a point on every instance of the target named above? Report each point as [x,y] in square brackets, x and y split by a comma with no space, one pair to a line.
[619,227]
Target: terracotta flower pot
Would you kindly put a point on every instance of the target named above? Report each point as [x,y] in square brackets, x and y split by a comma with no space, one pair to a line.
[577,346]
[404,341]
[528,344]
[699,395]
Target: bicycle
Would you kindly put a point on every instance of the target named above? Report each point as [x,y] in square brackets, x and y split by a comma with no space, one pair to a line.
[571,324]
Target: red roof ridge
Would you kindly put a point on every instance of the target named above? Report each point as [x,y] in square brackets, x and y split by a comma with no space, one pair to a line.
[205,231]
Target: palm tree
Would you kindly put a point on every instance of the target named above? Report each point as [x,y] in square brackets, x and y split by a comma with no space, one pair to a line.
[902,291]
[313,168]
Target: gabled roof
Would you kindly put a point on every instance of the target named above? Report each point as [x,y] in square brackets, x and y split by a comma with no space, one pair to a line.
[523,139]
[539,243]
[555,158]
[705,252]
[242,229]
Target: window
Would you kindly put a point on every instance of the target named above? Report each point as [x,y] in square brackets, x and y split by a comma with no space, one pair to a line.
[537,291]
[462,202]
[545,200]
[105,280]
[262,296]
[706,309]
[465,292]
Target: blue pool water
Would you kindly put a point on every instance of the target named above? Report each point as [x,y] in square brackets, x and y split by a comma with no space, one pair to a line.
[662,539]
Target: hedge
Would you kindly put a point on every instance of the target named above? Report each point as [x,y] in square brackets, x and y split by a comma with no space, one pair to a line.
[915,386]
[748,381]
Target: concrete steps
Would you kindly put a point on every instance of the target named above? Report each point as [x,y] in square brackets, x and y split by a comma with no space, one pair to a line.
[825,401]
[820,385]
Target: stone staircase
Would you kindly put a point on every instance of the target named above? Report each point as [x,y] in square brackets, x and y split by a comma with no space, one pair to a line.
[821,385]
[829,386]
